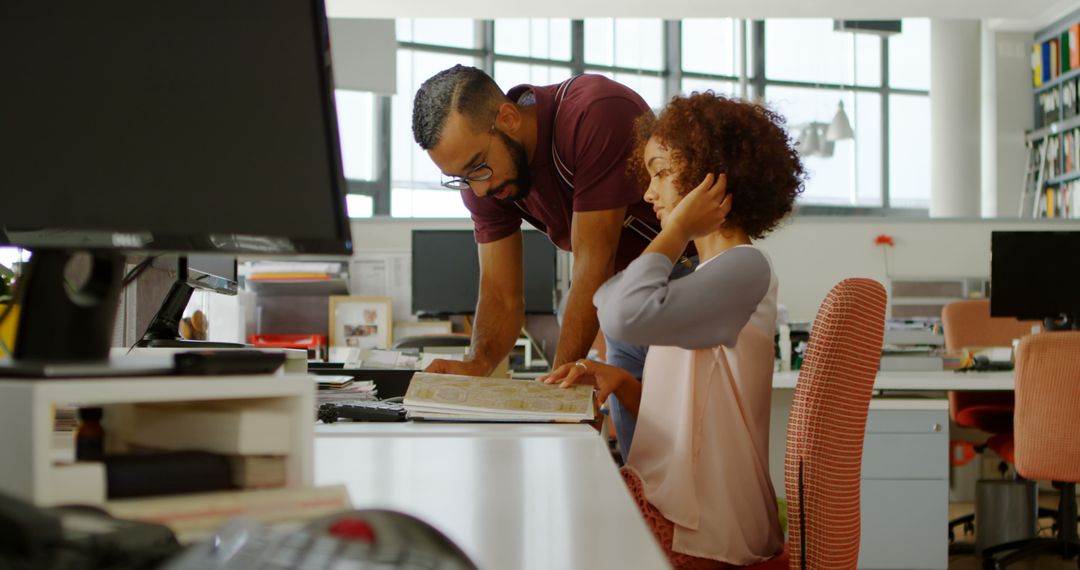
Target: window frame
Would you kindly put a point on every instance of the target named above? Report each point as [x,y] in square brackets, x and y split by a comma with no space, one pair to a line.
[756,82]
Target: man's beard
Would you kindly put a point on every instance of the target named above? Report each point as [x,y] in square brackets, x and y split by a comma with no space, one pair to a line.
[523,183]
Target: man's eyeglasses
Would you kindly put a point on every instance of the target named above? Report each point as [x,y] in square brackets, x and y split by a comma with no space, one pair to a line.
[478,173]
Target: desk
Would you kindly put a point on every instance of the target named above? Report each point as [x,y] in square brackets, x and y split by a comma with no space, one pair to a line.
[921,381]
[905,462]
[528,496]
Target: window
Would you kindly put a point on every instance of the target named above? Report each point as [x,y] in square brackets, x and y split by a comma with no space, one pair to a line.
[909,156]
[710,47]
[356,128]
[414,179]
[535,38]
[627,43]
[830,180]
[909,55]
[807,69]
[509,74]
[810,51]
[447,32]
[359,206]
[720,87]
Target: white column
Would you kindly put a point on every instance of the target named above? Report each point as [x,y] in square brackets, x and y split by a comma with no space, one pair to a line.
[1006,115]
[955,94]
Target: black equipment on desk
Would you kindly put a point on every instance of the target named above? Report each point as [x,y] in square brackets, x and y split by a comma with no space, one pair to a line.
[1036,275]
[136,139]
[389,382]
[363,411]
[78,538]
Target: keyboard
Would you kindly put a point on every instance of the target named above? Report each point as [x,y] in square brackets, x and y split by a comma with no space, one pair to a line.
[374,411]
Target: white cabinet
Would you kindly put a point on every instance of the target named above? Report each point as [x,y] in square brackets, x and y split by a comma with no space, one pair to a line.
[905,485]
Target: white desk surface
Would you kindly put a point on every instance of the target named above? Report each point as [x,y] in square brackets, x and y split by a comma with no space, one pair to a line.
[921,381]
[528,496]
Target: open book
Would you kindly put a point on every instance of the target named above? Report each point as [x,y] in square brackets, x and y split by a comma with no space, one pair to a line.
[464,398]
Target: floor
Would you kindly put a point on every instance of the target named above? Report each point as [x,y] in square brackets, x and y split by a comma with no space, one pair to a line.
[972,562]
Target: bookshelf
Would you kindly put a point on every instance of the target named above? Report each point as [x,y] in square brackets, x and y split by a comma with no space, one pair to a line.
[1052,179]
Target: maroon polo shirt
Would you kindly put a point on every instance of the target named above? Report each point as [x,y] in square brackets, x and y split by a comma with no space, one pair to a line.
[594,138]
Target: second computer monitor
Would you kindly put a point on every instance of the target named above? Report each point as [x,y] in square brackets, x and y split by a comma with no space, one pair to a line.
[1035,275]
[446,272]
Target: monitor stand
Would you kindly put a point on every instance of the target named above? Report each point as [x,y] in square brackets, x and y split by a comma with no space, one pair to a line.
[1062,323]
[164,329]
[65,331]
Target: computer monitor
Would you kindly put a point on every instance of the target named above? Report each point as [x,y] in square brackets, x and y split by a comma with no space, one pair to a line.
[1036,275]
[187,126]
[446,272]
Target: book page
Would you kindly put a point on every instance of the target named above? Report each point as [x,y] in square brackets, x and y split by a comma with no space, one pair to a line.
[447,393]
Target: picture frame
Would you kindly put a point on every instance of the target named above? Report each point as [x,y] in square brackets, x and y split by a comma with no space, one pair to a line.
[361,322]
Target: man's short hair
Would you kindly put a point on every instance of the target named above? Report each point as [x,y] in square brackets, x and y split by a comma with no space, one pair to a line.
[464,89]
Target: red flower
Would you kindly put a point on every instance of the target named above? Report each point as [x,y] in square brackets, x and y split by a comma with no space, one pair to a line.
[884,239]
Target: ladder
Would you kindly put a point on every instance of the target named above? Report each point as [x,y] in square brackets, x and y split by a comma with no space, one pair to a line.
[1031,195]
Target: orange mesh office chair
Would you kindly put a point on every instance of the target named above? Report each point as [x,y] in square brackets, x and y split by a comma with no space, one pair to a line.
[1047,432]
[823,463]
[969,324]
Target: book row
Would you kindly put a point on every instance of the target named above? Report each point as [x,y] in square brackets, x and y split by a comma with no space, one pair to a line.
[1055,56]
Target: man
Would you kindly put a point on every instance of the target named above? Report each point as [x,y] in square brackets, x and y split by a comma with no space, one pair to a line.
[554,156]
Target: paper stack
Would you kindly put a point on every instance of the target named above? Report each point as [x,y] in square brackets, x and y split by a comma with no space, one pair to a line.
[912,345]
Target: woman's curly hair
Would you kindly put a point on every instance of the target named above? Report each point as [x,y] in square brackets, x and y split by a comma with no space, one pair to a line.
[747,142]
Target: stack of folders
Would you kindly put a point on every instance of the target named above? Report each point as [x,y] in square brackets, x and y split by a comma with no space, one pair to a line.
[913,346]
[337,388]
[471,398]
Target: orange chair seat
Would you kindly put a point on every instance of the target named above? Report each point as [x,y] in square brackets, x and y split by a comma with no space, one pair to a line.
[993,418]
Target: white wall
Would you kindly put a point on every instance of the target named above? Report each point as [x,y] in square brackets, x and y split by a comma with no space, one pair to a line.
[1006,115]
[811,254]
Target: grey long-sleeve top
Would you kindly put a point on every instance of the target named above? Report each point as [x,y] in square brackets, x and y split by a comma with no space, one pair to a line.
[701,446]
[707,308]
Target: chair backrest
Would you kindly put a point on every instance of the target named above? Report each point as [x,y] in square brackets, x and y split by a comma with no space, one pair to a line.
[968,323]
[827,425]
[1047,424]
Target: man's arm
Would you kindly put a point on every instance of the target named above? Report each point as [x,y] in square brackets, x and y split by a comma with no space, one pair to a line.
[594,237]
[500,310]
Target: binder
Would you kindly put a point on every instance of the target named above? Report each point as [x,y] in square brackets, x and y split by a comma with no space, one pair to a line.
[1045,52]
[1036,65]
[1074,46]
[1055,51]
[1065,57]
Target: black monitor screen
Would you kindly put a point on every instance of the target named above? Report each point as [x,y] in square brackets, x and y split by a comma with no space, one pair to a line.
[183,125]
[446,272]
[1035,275]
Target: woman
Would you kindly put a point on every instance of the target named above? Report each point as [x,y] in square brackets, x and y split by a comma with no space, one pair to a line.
[699,461]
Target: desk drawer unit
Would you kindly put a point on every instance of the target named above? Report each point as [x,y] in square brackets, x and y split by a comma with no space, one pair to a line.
[905,486]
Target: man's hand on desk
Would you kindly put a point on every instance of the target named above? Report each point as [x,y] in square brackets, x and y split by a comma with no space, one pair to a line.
[464,368]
